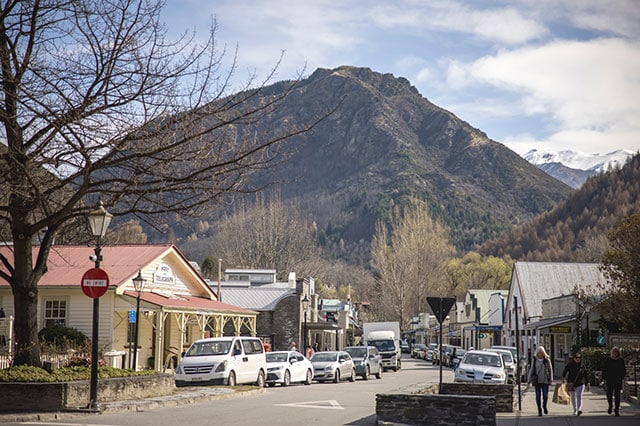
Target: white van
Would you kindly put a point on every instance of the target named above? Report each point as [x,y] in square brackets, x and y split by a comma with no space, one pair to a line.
[223,360]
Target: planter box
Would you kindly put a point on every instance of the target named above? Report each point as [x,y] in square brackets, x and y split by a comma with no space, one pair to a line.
[33,397]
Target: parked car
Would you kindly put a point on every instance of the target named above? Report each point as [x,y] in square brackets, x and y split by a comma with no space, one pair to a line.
[367,361]
[427,355]
[436,354]
[404,346]
[524,367]
[457,357]
[448,355]
[333,365]
[286,367]
[481,367]
[509,363]
[417,348]
[223,360]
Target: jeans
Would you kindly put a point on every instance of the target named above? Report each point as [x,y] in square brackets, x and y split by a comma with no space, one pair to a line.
[576,397]
[613,394]
[542,390]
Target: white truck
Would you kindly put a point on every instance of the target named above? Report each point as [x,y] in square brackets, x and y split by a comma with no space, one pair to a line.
[385,336]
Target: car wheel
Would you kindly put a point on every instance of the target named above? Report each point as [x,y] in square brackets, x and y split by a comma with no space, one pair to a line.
[260,381]
[367,371]
[352,378]
[336,378]
[309,377]
[379,373]
[287,378]
[231,381]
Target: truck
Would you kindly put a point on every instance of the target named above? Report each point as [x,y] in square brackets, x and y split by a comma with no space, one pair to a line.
[385,336]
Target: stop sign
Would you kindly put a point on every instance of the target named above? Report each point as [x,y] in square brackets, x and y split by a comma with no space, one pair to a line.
[95,283]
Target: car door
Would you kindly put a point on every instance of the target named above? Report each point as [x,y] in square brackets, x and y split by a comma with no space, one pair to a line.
[298,369]
[375,360]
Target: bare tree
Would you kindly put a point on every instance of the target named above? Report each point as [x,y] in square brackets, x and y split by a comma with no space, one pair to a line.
[97,103]
[408,257]
[268,234]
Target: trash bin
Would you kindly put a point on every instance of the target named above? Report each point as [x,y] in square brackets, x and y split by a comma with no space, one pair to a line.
[114,358]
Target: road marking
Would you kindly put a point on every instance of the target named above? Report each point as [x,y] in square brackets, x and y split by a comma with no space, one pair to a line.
[331,404]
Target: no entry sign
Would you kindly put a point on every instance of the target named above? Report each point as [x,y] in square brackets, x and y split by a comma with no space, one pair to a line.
[95,283]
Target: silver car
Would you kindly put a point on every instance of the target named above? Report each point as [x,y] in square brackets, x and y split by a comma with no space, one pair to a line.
[481,367]
[367,361]
[333,366]
[509,363]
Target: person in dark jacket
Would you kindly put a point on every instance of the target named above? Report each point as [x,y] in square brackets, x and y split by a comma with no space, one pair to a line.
[613,375]
[576,377]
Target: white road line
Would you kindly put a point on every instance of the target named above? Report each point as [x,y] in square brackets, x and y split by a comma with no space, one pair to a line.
[331,404]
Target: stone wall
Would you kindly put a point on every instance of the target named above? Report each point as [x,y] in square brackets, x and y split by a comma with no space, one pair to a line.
[432,409]
[503,393]
[61,396]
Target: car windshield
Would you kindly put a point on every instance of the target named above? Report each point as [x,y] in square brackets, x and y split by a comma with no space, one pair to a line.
[384,345]
[209,348]
[356,352]
[276,357]
[324,356]
[506,357]
[460,352]
[488,360]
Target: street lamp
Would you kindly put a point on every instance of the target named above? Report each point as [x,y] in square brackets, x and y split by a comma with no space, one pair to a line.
[138,284]
[99,220]
[305,306]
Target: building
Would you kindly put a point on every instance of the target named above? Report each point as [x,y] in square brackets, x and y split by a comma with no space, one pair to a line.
[543,305]
[176,304]
[481,320]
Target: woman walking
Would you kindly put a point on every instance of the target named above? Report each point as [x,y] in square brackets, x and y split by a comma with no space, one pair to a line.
[576,378]
[613,374]
[541,376]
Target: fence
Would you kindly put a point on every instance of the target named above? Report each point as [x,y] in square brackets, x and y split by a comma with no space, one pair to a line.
[53,360]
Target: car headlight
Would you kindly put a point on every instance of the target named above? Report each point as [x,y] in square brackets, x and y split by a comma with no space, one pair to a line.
[329,368]
[221,367]
[498,375]
[275,368]
[461,371]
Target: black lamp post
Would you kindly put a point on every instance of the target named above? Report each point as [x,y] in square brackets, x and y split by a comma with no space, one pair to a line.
[138,284]
[305,306]
[99,220]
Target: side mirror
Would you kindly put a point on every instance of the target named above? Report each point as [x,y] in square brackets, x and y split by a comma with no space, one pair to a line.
[183,354]
[237,351]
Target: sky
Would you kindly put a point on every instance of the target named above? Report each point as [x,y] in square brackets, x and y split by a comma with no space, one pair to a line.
[550,75]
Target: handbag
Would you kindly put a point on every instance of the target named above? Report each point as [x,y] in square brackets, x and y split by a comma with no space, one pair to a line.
[560,395]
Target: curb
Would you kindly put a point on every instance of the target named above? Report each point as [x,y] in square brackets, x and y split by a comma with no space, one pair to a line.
[184,396]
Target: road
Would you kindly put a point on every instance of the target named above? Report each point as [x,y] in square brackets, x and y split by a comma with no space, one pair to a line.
[343,403]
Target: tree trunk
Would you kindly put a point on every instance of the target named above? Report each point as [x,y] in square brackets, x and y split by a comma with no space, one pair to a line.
[25,299]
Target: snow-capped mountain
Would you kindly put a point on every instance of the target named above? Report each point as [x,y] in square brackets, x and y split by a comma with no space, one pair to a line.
[573,168]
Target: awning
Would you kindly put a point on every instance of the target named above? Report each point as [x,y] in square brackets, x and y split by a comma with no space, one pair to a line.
[549,322]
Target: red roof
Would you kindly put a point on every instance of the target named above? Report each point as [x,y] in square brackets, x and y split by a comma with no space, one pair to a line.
[67,264]
[186,302]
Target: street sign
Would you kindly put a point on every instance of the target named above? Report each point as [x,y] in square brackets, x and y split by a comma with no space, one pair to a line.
[95,283]
[441,306]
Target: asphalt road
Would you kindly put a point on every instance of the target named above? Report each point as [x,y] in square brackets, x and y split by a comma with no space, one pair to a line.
[343,403]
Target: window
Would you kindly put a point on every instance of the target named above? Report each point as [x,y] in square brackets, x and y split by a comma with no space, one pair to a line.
[55,312]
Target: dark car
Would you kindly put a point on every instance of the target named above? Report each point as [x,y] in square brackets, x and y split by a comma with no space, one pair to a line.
[417,348]
[367,361]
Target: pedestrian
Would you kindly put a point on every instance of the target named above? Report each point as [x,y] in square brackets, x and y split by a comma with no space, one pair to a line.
[613,374]
[292,346]
[309,351]
[576,378]
[316,347]
[541,376]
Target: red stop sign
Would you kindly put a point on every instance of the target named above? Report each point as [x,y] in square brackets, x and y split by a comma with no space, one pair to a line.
[95,283]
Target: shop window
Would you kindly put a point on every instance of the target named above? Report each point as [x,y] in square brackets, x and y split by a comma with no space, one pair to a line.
[55,312]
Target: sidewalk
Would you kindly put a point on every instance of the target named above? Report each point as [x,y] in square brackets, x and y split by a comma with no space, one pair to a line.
[594,411]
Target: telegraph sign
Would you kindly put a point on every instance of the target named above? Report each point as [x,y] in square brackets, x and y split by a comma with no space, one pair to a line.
[95,283]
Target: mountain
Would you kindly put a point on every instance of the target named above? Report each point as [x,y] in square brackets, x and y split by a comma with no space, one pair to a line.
[386,142]
[576,228]
[573,168]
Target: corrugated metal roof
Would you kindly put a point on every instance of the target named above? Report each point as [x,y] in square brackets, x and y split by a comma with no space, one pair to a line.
[539,281]
[256,299]
[192,302]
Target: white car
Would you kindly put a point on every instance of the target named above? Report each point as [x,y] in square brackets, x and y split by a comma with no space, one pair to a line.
[509,363]
[481,367]
[333,366]
[286,367]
